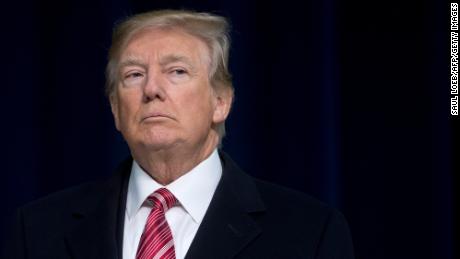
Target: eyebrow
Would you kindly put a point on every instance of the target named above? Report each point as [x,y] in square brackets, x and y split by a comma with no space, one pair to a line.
[168,59]
[133,61]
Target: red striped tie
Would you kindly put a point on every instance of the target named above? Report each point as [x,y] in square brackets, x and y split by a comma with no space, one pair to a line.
[156,240]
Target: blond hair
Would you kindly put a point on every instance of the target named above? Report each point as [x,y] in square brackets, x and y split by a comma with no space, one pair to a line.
[210,28]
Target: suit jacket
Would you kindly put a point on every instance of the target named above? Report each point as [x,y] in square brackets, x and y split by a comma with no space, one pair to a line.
[247,218]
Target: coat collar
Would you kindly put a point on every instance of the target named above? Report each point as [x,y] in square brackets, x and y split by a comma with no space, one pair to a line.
[226,228]
[99,233]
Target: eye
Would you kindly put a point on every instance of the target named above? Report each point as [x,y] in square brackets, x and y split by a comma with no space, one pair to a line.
[178,74]
[179,71]
[133,75]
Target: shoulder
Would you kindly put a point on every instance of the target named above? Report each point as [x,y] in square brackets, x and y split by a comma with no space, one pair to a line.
[71,194]
[51,215]
[306,223]
[83,198]
[53,206]
[281,195]
[295,205]
[279,202]
[80,199]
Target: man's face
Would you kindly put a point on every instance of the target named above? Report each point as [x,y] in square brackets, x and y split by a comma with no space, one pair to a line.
[164,98]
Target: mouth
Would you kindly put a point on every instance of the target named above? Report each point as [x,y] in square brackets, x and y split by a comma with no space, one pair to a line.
[156,116]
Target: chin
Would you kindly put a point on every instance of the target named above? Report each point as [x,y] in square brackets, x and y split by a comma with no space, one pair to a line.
[158,145]
[158,141]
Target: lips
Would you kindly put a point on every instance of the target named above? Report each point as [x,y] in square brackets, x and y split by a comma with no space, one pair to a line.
[155,115]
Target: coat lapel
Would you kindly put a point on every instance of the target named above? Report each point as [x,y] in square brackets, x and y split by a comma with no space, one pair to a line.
[225,230]
[99,231]
[228,226]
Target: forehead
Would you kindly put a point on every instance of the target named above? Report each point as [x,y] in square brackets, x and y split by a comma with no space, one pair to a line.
[157,44]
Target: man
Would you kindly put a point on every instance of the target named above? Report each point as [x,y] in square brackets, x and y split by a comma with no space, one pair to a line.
[178,196]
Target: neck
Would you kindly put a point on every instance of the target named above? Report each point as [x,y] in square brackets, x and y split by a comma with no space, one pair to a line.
[166,165]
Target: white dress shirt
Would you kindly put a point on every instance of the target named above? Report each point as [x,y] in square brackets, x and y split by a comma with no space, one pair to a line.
[193,190]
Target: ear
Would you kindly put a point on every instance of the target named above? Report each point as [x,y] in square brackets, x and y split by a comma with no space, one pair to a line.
[114,107]
[223,104]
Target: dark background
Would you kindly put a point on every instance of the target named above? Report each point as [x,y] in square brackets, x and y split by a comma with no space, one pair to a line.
[345,100]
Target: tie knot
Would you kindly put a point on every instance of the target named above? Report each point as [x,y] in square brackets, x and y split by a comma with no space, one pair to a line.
[162,199]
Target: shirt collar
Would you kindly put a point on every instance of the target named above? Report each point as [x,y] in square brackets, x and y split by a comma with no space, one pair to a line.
[193,190]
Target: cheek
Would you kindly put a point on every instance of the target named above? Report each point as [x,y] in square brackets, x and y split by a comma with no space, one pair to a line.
[202,111]
[195,107]
[128,106]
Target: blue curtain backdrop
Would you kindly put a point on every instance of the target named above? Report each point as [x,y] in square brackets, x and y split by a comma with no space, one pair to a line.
[344,100]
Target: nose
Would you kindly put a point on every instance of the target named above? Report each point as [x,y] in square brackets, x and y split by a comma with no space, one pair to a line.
[153,89]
